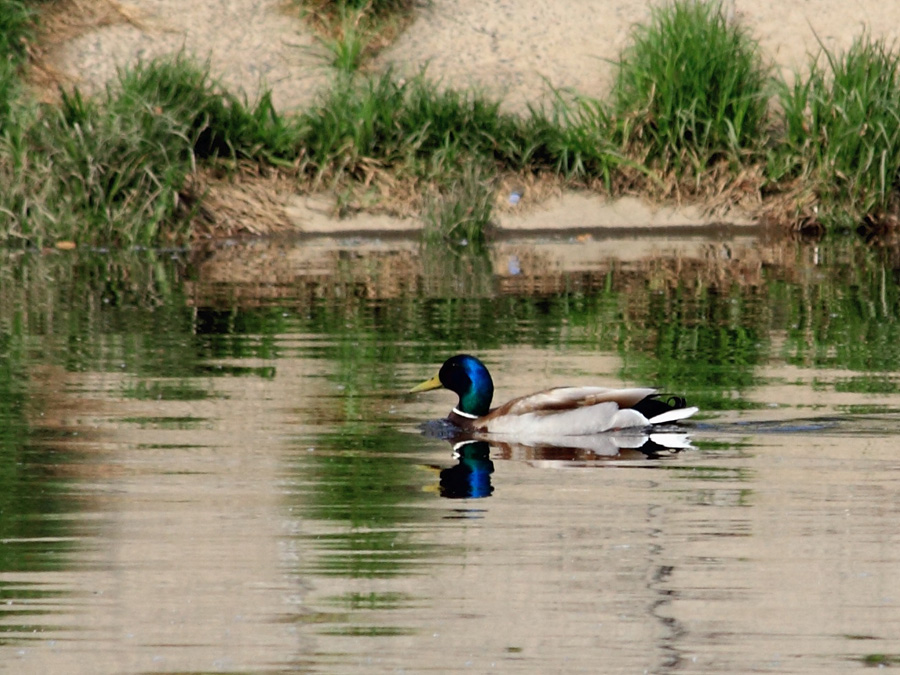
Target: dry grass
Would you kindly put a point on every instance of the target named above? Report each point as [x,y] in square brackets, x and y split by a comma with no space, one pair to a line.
[248,203]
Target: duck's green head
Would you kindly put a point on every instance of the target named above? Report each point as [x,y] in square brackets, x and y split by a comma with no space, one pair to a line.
[468,377]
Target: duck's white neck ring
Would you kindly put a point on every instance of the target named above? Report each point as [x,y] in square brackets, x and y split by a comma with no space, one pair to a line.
[463,444]
[457,411]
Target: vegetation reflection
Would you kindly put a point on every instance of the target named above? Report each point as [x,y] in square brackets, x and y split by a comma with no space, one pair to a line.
[368,485]
[843,313]
[694,328]
[704,340]
[33,495]
[58,314]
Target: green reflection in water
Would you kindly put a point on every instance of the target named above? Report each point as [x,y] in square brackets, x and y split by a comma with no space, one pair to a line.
[373,600]
[366,489]
[60,314]
[875,384]
[843,313]
[689,331]
[168,422]
[703,341]
[711,473]
[370,631]
[141,314]
[871,409]
[880,660]
[166,391]
[32,493]
[697,341]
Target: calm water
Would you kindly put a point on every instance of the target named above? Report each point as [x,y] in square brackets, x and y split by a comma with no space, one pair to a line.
[207,463]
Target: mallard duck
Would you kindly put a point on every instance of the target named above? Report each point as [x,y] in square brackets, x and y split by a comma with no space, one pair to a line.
[562,411]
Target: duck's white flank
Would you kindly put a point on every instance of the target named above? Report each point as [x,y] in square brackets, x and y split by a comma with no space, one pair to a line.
[577,411]
[592,419]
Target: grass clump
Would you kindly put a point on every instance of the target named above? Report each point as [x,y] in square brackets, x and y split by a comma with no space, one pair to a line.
[112,171]
[444,144]
[412,128]
[351,129]
[572,137]
[378,8]
[352,31]
[444,127]
[10,92]
[16,30]
[348,46]
[459,214]
[690,90]
[218,124]
[118,170]
[841,135]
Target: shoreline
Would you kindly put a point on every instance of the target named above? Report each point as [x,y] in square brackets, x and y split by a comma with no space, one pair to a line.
[571,211]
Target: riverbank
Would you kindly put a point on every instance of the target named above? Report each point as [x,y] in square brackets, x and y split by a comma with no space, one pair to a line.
[510,53]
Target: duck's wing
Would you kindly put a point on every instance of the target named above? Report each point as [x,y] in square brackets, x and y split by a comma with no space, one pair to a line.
[560,399]
[568,411]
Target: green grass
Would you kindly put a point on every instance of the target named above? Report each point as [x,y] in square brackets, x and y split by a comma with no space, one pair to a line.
[380,8]
[347,48]
[842,134]
[880,660]
[16,30]
[351,127]
[351,31]
[10,92]
[217,123]
[460,213]
[410,127]
[573,137]
[112,171]
[691,90]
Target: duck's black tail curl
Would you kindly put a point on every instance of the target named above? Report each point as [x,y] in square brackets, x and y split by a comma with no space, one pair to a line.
[655,405]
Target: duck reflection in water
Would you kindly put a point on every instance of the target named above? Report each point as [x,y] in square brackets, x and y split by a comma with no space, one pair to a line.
[470,478]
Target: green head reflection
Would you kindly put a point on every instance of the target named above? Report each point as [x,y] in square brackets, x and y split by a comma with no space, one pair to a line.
[471,477]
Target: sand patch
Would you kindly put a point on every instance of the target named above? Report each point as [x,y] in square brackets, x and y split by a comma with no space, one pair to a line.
[250,44]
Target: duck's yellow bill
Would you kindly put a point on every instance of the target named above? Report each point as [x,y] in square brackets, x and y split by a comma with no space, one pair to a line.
[427,385]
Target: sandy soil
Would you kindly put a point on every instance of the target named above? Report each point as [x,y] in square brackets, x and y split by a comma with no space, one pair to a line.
[510,48]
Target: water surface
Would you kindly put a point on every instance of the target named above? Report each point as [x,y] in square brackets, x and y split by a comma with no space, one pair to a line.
[208,463]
